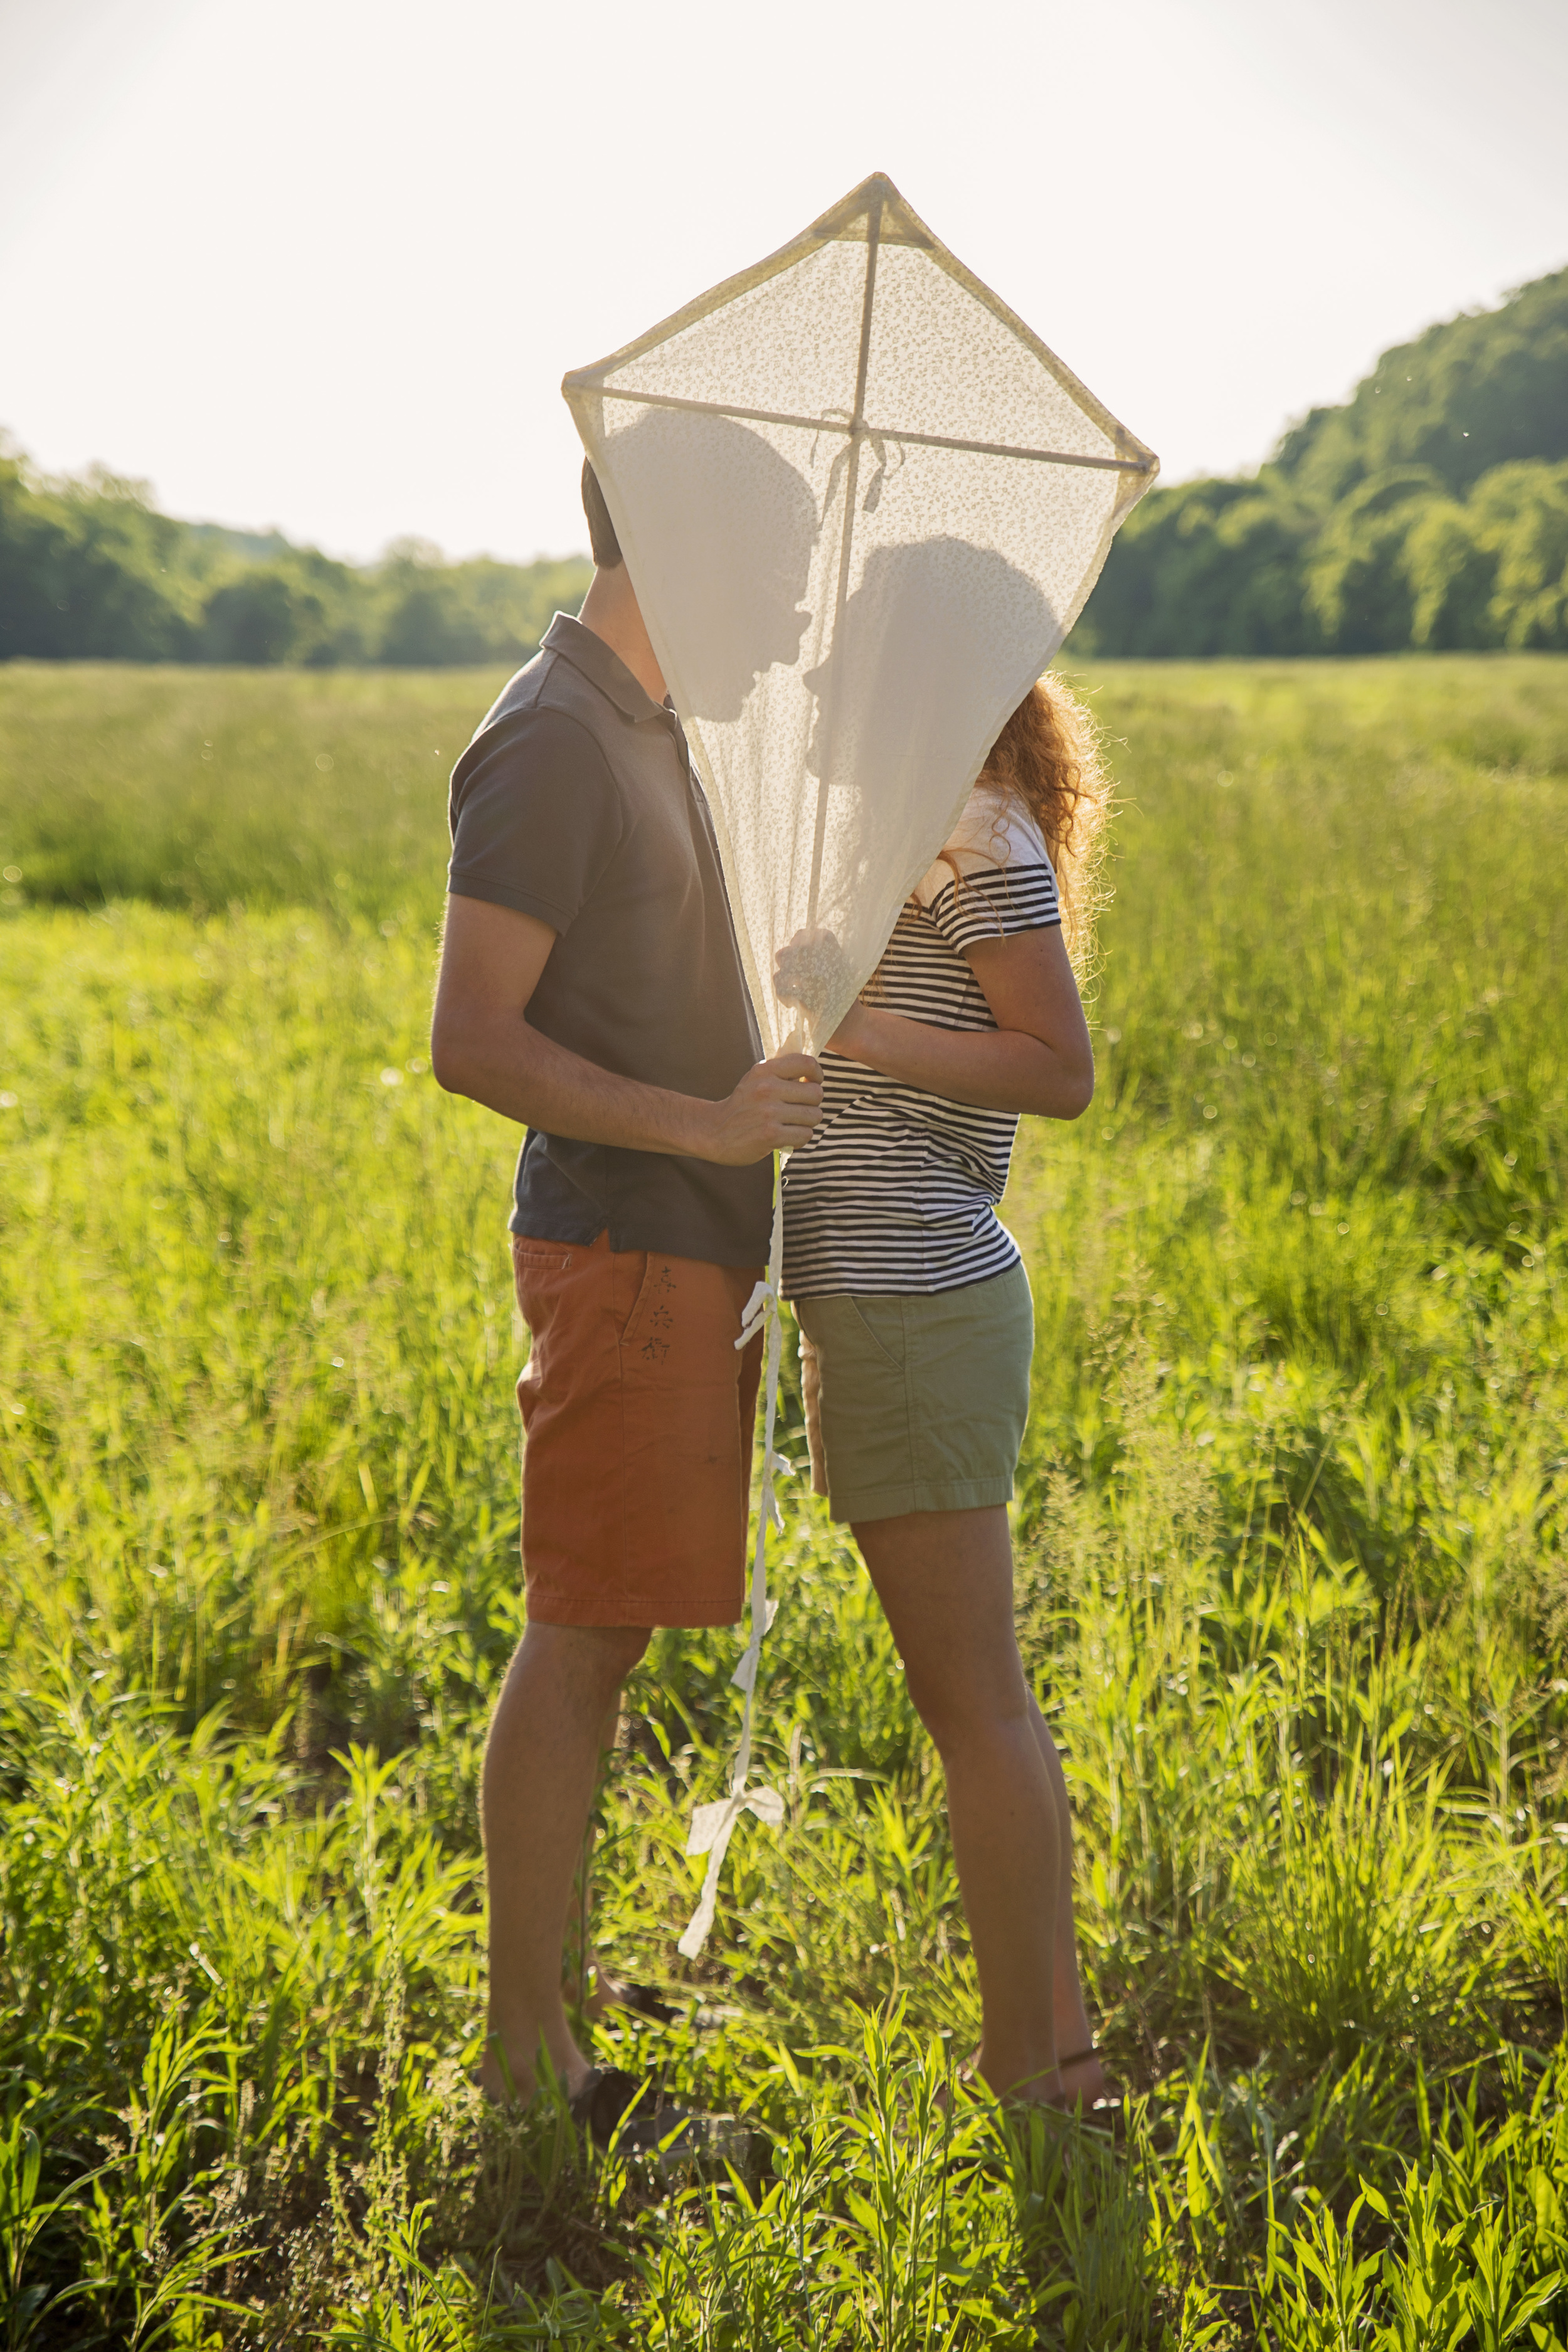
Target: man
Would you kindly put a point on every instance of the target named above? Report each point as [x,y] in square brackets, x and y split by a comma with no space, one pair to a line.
[591,988]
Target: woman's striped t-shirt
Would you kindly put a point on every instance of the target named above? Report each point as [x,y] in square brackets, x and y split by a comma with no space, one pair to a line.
[897,1191]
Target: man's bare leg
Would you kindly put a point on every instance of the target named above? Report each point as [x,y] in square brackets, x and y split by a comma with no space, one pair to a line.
[586,1984]
[542,1766]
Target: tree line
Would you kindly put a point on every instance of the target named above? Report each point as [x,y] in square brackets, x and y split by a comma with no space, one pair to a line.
[90,569]
[1429,511]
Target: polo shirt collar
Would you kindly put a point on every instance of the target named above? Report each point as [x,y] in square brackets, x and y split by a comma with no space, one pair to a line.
[607,670]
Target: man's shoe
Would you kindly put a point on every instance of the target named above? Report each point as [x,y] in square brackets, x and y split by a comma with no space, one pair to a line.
[607,2096]
[618,2105]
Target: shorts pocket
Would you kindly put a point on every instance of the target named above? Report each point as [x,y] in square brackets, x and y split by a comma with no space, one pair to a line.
[862,1395]
[883,1321]
[538,1271]
[640,1283]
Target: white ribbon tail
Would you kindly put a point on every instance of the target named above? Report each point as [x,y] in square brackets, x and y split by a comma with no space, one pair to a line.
[701,1919]
[709,1824]
[744,1678]
[754,1313]
[712,1826]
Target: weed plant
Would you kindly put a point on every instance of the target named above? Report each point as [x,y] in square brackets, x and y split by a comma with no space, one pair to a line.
[1291,1583]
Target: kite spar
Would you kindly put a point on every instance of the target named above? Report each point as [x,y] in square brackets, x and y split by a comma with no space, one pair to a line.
[861,504]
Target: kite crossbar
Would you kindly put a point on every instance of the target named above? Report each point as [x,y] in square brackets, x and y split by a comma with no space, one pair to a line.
[859,431]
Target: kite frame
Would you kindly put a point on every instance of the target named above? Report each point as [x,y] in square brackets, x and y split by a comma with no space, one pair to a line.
[876,212]
[897,224]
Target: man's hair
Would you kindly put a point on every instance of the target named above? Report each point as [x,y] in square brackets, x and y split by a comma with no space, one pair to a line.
[602,537]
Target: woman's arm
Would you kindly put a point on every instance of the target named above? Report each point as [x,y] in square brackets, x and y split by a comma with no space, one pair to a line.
[1038,1058]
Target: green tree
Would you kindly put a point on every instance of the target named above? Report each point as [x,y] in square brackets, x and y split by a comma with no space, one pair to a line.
[88,568]
[82,575]
[1522,513]
[1206,568]
[1451,573]
[1428,511]
[1357,578]
[251,620]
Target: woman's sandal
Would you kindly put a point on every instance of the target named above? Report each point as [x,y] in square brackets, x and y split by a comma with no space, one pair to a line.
[1101,2120]
[1098,2109]
[1106,2114]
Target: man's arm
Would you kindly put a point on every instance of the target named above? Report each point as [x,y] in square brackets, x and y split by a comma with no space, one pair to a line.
[482,1044]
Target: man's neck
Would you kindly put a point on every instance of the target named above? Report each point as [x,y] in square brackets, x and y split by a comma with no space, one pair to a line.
[611,609]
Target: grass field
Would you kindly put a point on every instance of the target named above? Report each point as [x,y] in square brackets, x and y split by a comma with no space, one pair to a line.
[1292,1581]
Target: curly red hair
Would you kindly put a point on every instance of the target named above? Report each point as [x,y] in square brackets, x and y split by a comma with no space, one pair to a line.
[1046,761]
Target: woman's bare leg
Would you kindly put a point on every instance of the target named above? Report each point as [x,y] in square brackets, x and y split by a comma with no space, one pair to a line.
[1085,2079]
[945,1579]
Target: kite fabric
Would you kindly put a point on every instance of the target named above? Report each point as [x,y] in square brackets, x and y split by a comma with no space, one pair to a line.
[861,505]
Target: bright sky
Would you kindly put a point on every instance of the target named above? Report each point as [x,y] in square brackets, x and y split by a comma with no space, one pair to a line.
[323,264]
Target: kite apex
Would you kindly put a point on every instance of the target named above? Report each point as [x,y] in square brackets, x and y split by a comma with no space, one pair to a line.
[849,217]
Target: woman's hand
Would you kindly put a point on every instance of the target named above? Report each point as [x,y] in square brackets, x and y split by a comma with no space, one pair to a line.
[809,970]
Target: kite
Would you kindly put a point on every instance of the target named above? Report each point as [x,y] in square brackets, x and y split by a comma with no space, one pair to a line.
[861,505]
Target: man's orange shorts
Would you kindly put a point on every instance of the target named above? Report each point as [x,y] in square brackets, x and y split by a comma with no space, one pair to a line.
[638,1411]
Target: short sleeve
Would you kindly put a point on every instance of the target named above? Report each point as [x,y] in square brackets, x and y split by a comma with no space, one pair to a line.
[994,878]
[535,817]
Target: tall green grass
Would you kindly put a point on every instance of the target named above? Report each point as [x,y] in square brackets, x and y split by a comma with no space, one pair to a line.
[208,789]
[1291,1582]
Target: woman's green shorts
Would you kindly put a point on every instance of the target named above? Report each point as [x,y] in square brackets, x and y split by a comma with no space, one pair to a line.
[917,1404]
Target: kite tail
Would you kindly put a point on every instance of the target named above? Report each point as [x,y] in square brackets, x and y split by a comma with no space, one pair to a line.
[714,1826]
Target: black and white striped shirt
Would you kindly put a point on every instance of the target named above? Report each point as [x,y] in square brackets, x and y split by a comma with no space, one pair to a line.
[897,1191]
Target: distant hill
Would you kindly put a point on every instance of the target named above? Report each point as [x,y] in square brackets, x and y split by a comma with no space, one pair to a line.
[1486,389]
[89,569]
[1430,510]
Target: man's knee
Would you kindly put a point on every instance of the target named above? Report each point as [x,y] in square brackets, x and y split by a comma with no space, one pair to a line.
[591,1661]
[624,1649]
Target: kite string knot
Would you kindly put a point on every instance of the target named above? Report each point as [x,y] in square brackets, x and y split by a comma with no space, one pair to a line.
[858,430]
[877,447]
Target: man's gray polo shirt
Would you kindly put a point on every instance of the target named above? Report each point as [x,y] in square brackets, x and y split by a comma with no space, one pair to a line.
[576,802]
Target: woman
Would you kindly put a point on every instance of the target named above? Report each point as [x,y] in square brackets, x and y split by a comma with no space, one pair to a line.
[917,1331]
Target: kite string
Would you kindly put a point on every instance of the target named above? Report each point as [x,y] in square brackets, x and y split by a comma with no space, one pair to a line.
[714,1826]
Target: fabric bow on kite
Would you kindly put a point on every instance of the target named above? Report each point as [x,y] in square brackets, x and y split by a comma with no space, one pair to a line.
[861,505]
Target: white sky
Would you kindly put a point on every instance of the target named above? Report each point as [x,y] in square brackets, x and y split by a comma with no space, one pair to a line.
[323,262]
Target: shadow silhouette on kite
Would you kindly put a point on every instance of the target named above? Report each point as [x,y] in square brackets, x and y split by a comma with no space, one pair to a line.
[739,525]
[918,640]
